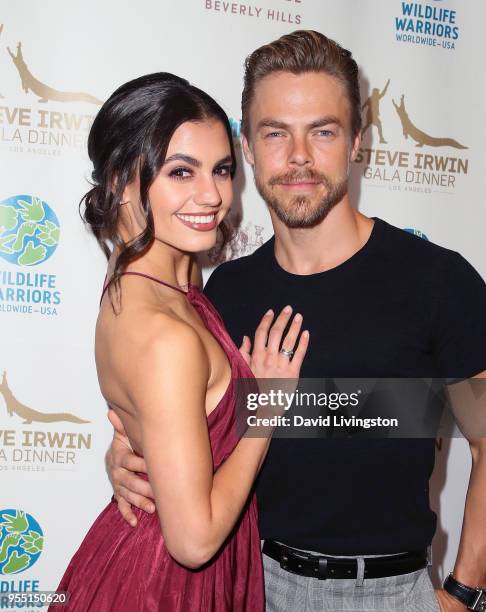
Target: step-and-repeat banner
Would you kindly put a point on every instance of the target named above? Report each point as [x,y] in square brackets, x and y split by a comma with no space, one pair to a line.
[421,167]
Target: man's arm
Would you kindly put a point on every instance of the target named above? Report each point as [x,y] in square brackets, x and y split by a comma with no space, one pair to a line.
[470,568]
[121,465]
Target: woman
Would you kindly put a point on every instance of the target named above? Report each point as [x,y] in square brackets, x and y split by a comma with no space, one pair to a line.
[163,164]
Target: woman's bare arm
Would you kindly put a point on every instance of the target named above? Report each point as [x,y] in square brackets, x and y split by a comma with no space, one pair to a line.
[168,384]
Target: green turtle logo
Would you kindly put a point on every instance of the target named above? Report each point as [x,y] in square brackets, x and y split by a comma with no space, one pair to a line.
[21,541]
[29,230]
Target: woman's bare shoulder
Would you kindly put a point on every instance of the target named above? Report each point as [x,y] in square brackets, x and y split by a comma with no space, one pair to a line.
[149,342]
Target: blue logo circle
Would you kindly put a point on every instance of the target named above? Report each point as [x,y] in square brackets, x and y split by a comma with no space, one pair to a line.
[21,541]
[29,230]
[415,232]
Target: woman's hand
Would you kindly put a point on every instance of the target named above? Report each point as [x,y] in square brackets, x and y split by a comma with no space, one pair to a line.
[276,371]
[266,360]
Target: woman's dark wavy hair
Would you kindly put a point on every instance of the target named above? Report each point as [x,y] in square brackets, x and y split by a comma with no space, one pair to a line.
[132,131]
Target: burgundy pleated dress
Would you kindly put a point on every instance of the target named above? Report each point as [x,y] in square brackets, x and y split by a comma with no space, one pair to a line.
[121,568]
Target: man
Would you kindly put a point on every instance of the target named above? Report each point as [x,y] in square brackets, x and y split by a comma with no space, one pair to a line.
[378,302]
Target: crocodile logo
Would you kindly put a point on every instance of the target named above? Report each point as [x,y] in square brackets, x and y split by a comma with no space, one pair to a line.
[21,541]
[29,414]
[420,137]
[45,92]
[29,230]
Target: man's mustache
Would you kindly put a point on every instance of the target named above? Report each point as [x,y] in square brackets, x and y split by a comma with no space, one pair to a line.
[308,176]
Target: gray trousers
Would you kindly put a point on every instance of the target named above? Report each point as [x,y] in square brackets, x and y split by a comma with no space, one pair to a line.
[287,592]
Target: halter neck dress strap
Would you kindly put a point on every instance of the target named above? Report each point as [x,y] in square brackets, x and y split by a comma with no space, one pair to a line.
[157,280]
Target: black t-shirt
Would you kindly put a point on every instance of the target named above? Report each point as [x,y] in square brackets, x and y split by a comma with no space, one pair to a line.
[399,307]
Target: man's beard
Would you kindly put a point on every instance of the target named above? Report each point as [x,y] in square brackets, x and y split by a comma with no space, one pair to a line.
[301,211]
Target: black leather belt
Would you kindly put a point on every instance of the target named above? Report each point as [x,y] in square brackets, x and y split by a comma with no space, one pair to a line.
[322,567]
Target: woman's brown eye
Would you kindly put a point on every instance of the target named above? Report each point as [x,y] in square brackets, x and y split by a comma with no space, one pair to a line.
[180,173]
[223,171]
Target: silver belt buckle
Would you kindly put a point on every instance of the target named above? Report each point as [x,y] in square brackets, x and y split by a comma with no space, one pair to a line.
[480,604]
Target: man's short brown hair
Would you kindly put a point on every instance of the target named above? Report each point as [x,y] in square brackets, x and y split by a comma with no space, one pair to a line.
[299,52]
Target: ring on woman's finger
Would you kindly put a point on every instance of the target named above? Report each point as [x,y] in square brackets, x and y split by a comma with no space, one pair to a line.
[286,352]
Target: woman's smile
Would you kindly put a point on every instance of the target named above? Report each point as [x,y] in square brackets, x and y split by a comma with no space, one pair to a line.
[202,222]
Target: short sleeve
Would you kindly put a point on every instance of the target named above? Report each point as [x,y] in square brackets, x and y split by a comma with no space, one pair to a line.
[460,320]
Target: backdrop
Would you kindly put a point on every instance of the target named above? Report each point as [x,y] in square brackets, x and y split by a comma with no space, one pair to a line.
[421,168]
